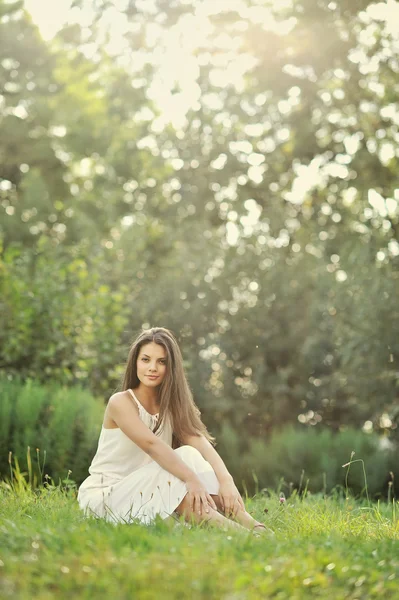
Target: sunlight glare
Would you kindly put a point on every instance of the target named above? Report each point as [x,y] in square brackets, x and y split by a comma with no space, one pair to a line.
[49,15]
[177,56]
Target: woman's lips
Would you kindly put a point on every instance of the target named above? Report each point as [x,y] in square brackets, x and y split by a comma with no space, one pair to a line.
[152,376]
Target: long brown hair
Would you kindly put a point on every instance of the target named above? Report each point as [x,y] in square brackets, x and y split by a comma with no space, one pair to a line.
[175,396]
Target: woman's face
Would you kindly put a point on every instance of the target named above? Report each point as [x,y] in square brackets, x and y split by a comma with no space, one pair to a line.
[151,364]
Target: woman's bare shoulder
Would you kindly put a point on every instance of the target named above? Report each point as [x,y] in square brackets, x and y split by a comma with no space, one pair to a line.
[117,395]
[120,400]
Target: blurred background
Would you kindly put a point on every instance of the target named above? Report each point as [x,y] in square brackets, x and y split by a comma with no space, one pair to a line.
[228,169]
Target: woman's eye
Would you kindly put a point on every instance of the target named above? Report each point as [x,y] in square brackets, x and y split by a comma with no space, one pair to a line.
[163,362]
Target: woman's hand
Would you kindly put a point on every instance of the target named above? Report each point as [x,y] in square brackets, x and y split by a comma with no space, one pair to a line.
[198,498]
[230,498]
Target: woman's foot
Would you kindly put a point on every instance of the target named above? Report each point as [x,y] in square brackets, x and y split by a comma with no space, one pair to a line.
[246,520]
[261,529]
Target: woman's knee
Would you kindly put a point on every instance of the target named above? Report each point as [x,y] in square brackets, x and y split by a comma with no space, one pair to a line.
[190,455]
[187,449]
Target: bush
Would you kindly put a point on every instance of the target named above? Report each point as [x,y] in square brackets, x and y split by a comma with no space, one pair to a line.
[56,316]
[65,423]
[309,458]
[60,425]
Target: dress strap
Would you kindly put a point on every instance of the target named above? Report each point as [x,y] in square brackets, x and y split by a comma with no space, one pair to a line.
[141,407]
[135,399]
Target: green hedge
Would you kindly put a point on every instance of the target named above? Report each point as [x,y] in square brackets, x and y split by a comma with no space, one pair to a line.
[66,423]
[299,457]
[62,422]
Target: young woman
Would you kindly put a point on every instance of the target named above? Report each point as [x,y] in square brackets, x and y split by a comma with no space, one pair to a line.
[154,455]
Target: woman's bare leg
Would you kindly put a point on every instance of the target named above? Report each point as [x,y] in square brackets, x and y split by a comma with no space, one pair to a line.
[212,518]
[242,517]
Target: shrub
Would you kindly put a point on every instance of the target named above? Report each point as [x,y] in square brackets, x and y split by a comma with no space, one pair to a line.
[311,458]
[62,423]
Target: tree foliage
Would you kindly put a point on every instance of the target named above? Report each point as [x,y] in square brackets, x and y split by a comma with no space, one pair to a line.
[263,230]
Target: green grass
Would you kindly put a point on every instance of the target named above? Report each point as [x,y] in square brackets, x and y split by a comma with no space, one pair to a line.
[325,547]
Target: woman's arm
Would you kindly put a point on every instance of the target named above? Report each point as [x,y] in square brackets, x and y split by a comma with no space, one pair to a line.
[209,453]
[229,495]
[126,415]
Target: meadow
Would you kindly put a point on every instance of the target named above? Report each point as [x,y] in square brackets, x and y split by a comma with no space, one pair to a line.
[228,170]
[324,547]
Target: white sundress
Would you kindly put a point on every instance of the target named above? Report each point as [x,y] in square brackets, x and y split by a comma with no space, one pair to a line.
[125,484]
